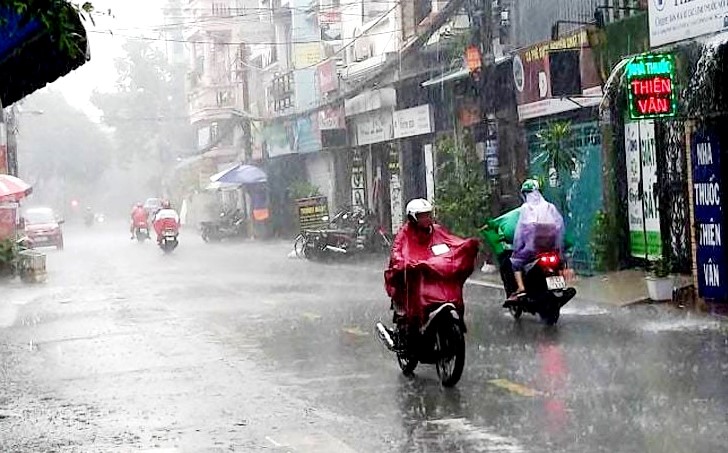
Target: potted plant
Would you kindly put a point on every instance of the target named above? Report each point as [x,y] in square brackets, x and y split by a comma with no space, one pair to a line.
[660,283]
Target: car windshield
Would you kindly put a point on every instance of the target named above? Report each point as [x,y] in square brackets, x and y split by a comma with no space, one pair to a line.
[35,217]
[153,203]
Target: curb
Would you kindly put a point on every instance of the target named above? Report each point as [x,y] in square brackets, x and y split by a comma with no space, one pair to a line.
[495,287]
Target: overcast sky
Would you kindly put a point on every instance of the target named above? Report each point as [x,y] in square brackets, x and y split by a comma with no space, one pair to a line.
[130,18]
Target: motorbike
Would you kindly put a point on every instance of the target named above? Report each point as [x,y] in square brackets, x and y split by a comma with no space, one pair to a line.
[546,289]
[439,341]
[89,218]
[169,240]
[229,226]
[427,300]
[349,233]
[141,232]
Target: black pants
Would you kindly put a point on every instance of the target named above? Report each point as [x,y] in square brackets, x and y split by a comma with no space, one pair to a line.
[506,272]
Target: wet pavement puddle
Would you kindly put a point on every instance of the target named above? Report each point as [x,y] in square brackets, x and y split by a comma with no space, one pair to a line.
[516,389]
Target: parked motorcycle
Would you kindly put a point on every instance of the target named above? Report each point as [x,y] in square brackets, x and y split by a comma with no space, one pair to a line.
[229,226]
[349,233]
[169,240]
[546,289]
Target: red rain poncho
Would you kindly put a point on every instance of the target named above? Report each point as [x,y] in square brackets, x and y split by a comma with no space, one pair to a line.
[428,268]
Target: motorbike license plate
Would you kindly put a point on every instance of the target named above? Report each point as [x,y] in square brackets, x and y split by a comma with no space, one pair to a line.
[170,234]
[555,282]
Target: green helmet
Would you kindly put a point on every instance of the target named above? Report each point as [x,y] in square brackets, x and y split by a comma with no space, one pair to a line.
[529,185]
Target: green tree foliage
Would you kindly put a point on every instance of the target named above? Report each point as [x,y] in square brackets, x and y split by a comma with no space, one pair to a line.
[462,193]
[147,113]
[61,151]
[59,17]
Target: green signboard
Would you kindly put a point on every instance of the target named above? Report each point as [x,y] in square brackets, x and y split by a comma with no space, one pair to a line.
[651,86]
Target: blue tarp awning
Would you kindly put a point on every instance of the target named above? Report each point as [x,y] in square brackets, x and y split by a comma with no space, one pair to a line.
[31,55]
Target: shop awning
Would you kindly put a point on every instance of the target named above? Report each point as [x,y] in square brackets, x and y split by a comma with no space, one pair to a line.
[460,73]
[457,74]
[31,56]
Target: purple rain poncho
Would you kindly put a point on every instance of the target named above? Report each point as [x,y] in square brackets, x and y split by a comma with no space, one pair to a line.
[540,229]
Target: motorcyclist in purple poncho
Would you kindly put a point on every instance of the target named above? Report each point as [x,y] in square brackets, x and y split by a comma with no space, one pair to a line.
[540,229]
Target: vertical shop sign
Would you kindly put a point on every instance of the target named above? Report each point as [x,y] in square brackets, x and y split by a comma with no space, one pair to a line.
[358,181]
[395,190]
[643,199]
[705,149]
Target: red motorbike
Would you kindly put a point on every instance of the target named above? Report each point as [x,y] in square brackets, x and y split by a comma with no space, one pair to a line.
[427,298]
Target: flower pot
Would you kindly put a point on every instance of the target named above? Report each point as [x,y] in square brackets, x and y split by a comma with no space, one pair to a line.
[660,288]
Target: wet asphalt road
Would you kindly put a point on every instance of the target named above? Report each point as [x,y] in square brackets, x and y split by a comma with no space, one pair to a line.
[234,347]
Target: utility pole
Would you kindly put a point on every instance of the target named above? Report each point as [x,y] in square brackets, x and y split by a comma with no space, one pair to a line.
[481,14]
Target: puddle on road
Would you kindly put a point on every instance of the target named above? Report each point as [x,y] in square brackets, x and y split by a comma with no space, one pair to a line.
[479,439]
[681,325]
[8,315]
[584,310]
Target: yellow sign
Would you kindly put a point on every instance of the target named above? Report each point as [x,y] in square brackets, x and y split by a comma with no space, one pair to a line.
[576,41]
[306,54]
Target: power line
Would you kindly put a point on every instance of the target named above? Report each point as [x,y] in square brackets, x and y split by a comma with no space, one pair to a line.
[223,43]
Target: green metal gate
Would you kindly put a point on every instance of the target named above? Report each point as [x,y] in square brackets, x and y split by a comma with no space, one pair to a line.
[583,190]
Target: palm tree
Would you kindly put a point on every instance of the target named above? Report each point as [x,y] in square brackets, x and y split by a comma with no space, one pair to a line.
[558,157]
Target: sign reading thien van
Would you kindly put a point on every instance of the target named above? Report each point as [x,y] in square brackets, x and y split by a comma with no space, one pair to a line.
[652,93]
[678,20]
[709,217]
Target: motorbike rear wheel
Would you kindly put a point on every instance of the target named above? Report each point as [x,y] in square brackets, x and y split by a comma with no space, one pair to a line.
[450,343]
[550,317]
[516,312]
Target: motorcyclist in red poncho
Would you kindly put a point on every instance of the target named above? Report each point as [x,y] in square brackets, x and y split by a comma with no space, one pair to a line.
[428,266]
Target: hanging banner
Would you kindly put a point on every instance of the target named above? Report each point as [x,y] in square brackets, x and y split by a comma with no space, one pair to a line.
[705,148]
[644,217]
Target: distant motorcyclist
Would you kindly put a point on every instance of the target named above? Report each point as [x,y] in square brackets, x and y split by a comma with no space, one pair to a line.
[138,218]
[540,229]
[165,218]
[88,216]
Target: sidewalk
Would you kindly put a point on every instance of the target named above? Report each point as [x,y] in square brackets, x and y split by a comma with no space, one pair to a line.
[620,289]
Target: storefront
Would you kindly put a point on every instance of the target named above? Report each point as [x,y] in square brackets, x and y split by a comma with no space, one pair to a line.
[558,85]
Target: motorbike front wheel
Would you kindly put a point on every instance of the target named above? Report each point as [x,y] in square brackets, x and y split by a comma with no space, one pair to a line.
[451,349]
[299,246]
[407,363]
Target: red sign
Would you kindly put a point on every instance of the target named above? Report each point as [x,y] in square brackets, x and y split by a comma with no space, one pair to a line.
[653,95]
[473,58]
[327,77]
[7,222]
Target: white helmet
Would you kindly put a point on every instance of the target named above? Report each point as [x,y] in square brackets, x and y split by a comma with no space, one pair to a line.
[418,206]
